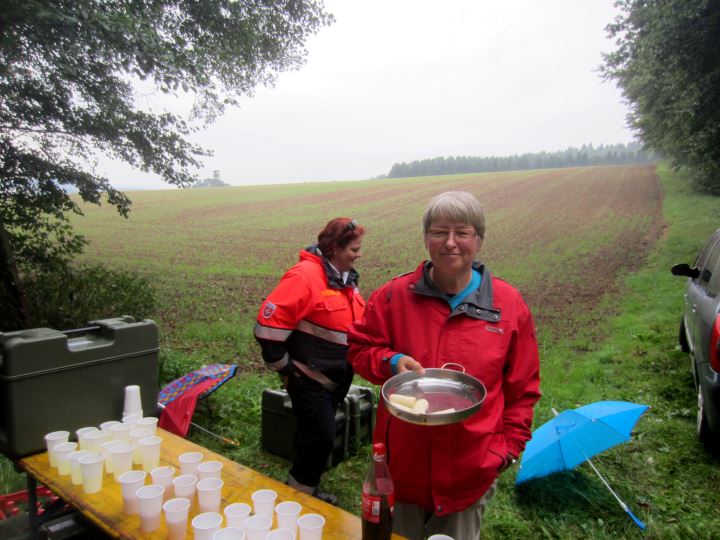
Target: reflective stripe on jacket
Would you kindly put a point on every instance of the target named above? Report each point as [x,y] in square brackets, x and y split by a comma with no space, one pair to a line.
[306,318]
[491,333]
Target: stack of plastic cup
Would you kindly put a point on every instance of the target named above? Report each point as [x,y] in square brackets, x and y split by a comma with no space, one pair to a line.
[52,440]
[133,402]
[176,517]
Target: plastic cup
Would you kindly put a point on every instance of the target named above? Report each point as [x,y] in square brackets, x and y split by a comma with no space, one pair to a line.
[209,469]
[206,524]
[311,526]
[257,527]
[189,462]
[150,501]
[280,534]
[130,482]
[147,422]
[62,451]
[92,472]
[94,439]
[176,517]
[264,502]
[209,491]
[287,513]
[51,440]
[230,533]
[440,537]
[80,434]
[121,455]
[163,476]
[105,451]
[135,436]
[75,469]
[131,419]
[121,432]
[236,514]
[133,402]
[184,486]
[150,452]
[105,426]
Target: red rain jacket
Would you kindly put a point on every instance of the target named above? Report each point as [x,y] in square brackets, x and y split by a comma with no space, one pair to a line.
[491,333]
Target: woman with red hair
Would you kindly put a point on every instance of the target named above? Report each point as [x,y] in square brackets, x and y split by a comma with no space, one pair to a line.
[302,330]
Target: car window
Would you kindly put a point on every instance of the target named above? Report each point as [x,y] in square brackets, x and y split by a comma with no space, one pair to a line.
[702,258]
[710,267]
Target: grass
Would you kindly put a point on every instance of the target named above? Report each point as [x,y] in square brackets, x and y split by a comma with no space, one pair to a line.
[623,348]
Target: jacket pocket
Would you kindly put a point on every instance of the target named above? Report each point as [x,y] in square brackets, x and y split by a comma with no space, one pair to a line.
[334,303]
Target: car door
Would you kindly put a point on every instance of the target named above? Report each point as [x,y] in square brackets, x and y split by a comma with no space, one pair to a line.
[701,299]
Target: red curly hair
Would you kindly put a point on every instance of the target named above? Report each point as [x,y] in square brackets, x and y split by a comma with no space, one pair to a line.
[338,233]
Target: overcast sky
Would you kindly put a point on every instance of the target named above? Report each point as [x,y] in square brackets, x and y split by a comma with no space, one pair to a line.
[400,80]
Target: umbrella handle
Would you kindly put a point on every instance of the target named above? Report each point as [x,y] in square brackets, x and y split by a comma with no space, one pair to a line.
[637,521]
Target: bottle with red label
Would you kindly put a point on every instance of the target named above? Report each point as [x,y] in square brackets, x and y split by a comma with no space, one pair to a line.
[378,498]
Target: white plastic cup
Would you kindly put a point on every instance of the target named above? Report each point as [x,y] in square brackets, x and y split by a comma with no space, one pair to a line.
[105,426]
[189,462]
[150,452]
[280,534]
[209,469]
[147,422]
[131,419]
[94,439]
[163,476]
[236,514]
[62,451]
[264,502]
[184,486]
[75,469]
[121,455]
[209,491]
[311,526]
[80,434]
[150,501]
[133,401]
[92,472]
[53,439]
[257,527]
[105,451]
[440,537]
[176,511]
[205,525]
[230,533]
[130,482]
[135,436]
[287,513]
[121,432]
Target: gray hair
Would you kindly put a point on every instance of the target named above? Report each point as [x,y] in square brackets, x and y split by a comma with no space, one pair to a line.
[459,206]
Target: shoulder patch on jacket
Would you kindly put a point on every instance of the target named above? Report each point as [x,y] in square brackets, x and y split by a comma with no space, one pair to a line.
[268,310]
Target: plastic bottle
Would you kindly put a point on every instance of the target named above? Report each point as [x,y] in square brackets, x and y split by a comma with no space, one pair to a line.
[378,498]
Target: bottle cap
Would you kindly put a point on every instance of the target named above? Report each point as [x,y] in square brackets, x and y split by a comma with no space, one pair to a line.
[379,449]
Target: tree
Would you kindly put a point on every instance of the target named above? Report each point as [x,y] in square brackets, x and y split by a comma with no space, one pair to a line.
[68,69]
[667,64]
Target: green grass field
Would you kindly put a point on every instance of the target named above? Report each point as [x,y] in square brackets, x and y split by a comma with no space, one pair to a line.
[589,248]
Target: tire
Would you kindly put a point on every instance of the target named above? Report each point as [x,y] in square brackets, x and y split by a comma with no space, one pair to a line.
[682,337]
[704,433]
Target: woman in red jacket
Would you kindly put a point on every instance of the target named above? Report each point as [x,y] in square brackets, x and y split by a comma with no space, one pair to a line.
[450,309]
[301,328]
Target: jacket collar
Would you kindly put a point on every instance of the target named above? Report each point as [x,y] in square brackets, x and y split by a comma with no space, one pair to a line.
[334,278]
[478,304]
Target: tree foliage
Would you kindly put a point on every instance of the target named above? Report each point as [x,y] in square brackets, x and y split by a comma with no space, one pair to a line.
[68,73]
[667,63]
[587,155]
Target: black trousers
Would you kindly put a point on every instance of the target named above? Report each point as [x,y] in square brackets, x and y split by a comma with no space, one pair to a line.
[314,409]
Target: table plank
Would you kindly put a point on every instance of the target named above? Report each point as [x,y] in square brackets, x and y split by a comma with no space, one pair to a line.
[105,508]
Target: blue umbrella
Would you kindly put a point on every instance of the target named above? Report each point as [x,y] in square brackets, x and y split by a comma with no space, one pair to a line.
[574,436]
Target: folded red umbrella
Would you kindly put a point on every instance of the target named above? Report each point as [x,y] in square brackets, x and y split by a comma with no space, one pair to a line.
[177,415]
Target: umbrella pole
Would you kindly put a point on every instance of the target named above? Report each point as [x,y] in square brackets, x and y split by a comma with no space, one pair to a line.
[624,506]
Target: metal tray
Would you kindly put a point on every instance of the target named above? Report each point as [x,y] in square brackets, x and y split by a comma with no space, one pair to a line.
[443,388]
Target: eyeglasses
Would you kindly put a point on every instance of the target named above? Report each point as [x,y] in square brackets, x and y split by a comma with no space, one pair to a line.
[351,226]
[460,235]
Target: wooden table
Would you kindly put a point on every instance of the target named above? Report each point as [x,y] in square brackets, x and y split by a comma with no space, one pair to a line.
[105,508]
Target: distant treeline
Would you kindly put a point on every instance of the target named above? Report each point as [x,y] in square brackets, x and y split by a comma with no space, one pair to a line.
[587,155]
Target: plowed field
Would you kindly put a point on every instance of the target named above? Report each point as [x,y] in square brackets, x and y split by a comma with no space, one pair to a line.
[562,236]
